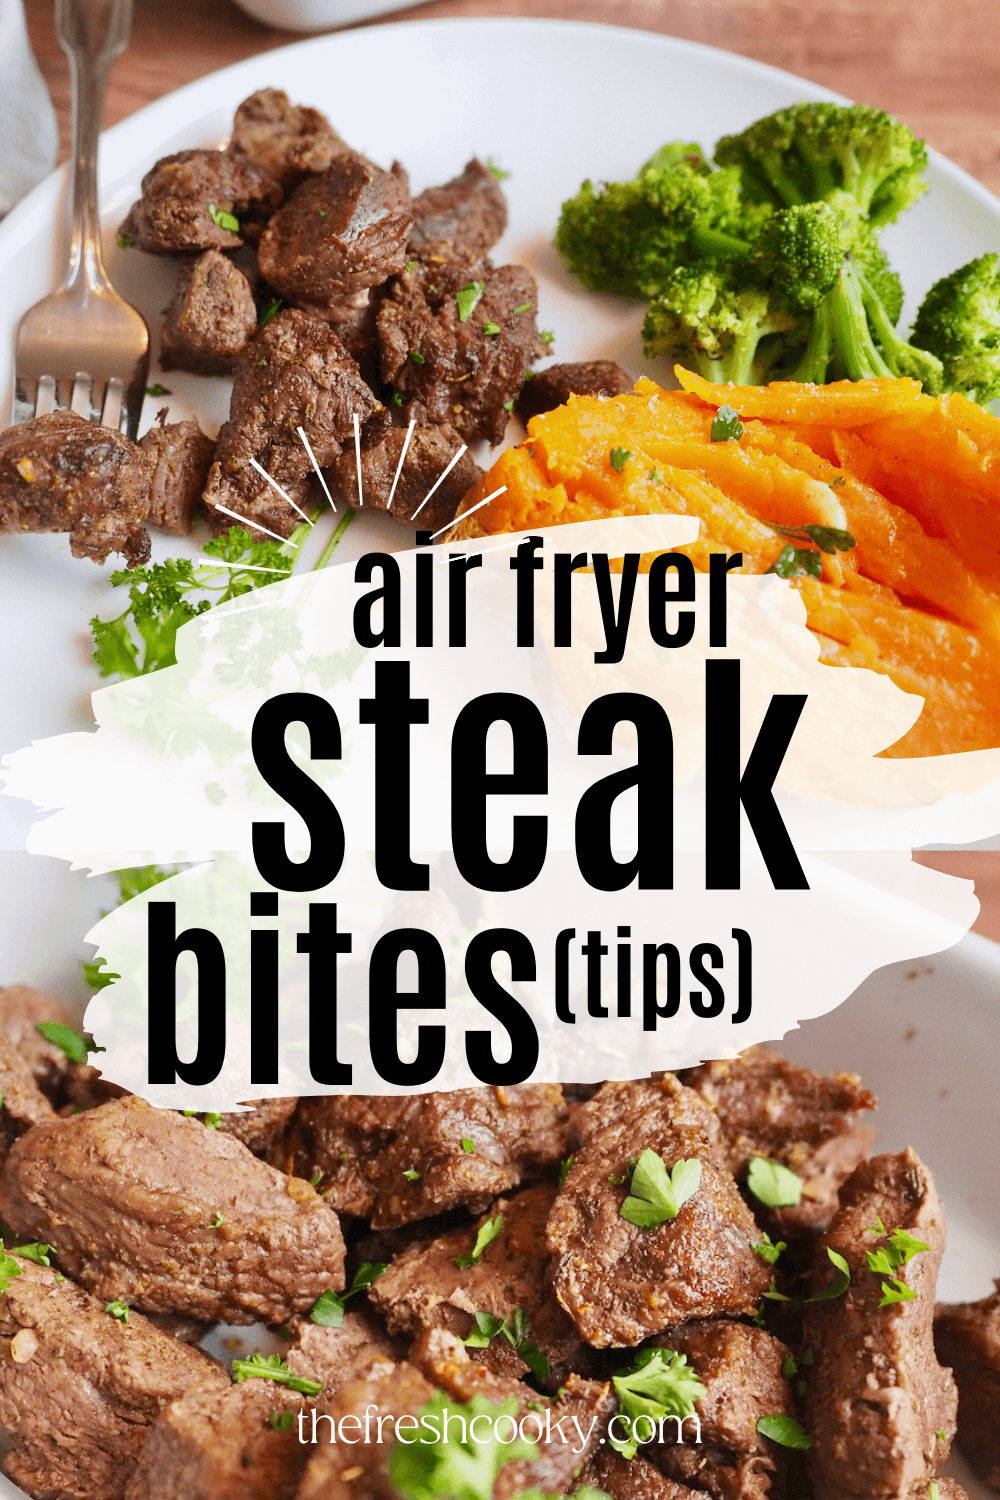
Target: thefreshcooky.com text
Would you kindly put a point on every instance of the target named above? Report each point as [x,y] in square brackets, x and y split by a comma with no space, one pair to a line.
[452,1426]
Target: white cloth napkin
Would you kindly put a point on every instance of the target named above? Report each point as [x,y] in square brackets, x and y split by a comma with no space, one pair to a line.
[29,136]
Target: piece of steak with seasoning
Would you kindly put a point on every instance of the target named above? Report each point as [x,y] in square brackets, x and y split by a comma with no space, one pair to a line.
[429,452]
[260,1126]
[399,1158]
[211,318]
[469,212]
[288,141]
[113,1186]
[455,338]
[967,1341]
[630,1478]
[62,1081]
[182,455]
[62,473]
[619,1282]
[332,1355]
[879,1407]
[22,1103]
[364,1410]
[79,1387]
[553,387]
[294,373]
[187,199]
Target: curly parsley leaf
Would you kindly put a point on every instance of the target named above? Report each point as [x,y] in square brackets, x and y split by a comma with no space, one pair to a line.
[896,1290]
[95,975]
[826,538]
[463,1467]
[784,1430]
[328,1309]
[75,1044]
[619,457]
[273,1367]
[656,1194]
[515,1328]
[488,1232]
[661,1383]
[9,1269]
[468,298]
[772,1184]
[798,562]
[223,219]
[726,427]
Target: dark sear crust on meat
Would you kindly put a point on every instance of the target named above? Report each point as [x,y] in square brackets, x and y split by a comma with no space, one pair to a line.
[630,1478]
[294,373]
[260,1126]
[768,1106]
[288,141]
[553,387]
[174,216]
[470,212]
[154,1209]
[363,1144]
[62,473]
[182,455]
[462,375]
[23,1103]
[79,1388]
[877,1396]
[346,1471]
[338,234]
[620,1283]
[424,1288]
[428,454]
[740,1367]
[211,318]
[967,1341]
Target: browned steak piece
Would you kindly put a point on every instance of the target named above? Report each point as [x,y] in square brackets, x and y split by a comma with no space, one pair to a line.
[470,211]
[179,192]
[620,1283]
[553,387]
[770,1107]
[339,233]
[211,318]
[295,373]
[740,1367]
[22,1103]
[187,1330]
[363,1145]
[453,358]
[424,1288]
[182,455]
[967,1341]
[428,454]
[630,1478]
[356,1465]
[154,1209]
[878,1400]
[333,1355]
[21,1009]
[79,1388]
[288,141]
[62,473]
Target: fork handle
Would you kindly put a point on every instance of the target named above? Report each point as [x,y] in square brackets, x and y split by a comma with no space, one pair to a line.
[92,33]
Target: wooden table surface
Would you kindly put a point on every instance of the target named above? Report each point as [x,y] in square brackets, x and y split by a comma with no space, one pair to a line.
[931,62]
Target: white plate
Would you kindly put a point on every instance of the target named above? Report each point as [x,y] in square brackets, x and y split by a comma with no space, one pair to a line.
[552,103]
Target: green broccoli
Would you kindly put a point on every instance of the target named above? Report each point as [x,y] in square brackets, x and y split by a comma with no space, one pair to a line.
[959,321]
[724,333]
[802,153]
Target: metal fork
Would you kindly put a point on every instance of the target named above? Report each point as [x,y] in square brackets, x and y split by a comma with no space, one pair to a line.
[84,346]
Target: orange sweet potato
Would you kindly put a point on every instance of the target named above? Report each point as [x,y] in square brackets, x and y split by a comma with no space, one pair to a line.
[844,403]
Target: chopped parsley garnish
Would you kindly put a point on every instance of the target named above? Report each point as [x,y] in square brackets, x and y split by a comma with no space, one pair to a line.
[9,1269]
[798,562]
[726,427]
[223,219]
[900,1250]
[842,1281]
[619,457]
[772,1184]
[768,1250]
[118,1310]
[124,243]
[417,357]
[659,1384]
[411,265]
[784,1430]
[464,1467]
[529,375]
[411,1174]
[655,475]
[773,1295]
[281,1421]
[157,390]
[509,405]
[877,1228]
[789,1367]
[657,1194]
[491,328]
[896,1290]
[933,1493]
[316,1178]
[487,1233]
[941,1436]
[826,538]
[96,975]
[272,310]
[468,298]
[515,1328]
[467,1144]
[397,398]
[498,172]
[322,212]
[564,1168]
[212,1121]
[547,336]
[75,1044]
[218,1221]
[273,1367]
[328,1309]
[38,1253]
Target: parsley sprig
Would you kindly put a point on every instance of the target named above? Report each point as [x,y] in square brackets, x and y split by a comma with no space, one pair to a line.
[75,1044]
[772,1184]
[464,1467]
[656,1194]
[9,1269]
[515,1328]
[328,1309]
[889,1259]
[726,427]
[273,1367]
[488,1232]
[661,1383]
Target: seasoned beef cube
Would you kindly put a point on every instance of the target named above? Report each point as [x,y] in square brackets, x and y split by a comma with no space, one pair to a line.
[359,336]
[182,455]
[22,1103]
[333,1355]
[174,214]
[153,1209]
[21,1010]
[620,1283]
[211,318]
[469,212]
[338,234]
[770,1107]
[288,141]
[740,1367]
[967,1341]
[187,1330]
[295,373]
[454,368]
[62,473]
[79,1388]
[630,1478]
[346,1467]
[553,387]
[363,1144]
[877,1397]
[430,451]
[260,1126]
[424,1288]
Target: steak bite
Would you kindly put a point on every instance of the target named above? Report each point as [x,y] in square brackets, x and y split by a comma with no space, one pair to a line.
[630,1478]
[770,1107]
[339,233]
[428,454]
[180,192]
[967,1340]
[182,456]
[211,318]
[877,1399]
[620,1283]
[469,212]
[21,1010]
[80,1388]
[364,1144]
[22,1103]
[62,473]
[260,1126]
[455,338]
[287,141]
[346,1467]
[295,373]
[553,387]
[425,1288]
[152,1209]
[333,1355]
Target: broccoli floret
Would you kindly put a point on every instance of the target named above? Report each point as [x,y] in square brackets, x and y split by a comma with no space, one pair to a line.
[959,321]
[723,333]
[802,153]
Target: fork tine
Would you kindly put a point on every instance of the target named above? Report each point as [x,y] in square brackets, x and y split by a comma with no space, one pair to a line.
[79,401]
[113,403]
[45,401]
